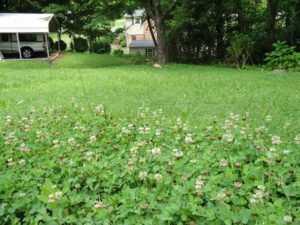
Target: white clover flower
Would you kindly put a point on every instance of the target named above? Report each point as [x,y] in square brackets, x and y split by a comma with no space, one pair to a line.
[223,163]
[99,109]
[98,205]
[93,138]
[158,177]
[147,130]
[22,162]
[58,195]
[261,187]
[228,137]
[178,122]
[209,128]
[188,139]
[9,120]
[142,160]
[157,132]
[143,175]
[276,140]
[134,151]
[71,141]
[221,196]
[177,153]
[297,139]
[238,185]
[269,118]
[155,151]
[253,201]
[286,151]
[193,161]
[288,219]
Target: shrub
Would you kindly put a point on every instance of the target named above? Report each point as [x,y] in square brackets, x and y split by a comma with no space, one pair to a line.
[63,45]
[283,57]
[51,42]
[122,41]
[77,167]
[101,47]
[118,52]
[81,44]
[239,51]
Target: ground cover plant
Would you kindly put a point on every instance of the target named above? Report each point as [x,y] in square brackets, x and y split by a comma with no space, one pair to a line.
[202,159]
[81,166]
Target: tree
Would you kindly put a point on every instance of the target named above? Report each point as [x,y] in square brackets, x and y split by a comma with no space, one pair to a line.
[159,10]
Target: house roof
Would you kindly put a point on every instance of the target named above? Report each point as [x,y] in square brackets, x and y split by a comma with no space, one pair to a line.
[28,23]
[136,13]
[142,44]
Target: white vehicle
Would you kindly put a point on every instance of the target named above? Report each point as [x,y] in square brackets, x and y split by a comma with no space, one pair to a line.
[30,43]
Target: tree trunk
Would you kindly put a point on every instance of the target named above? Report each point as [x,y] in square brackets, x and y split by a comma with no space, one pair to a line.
[220,30]
[271,20]
[161,40]
[91,39]
[151,30]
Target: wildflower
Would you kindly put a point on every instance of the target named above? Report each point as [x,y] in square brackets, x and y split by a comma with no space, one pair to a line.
[9,120]
[177,153]
[280,182]
[221,196]
[141,143]
[155,151]
[93,138]
[297,139]
[276,140]
[133,151]
[22,162]
[209,128]
[193,161]
[286,152]
[144,206]
[157,132]
[288,219]
[269,118]
[158,177]
[22,194]
[147,130]
[238,185]
[77,186]
[253,201]
[223,163]
[71,141]
[55,143]
[228,137]
[142,160]
[99,109]
[188,139]
[198,186]
[10,162]
[98,205]
[143,175]
[58,195]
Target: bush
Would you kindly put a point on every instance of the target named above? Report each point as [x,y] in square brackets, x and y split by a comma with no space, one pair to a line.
[239,51]
[118,52]
[63,45]
[283,57]
[51,42]
[81,44]
[101,47]
[76,167]
[122,41]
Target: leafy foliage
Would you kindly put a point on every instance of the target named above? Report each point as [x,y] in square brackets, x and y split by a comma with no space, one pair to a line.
[283,57]
[62,44]
[239,50]
[81,166]
[81,44]
[101,47]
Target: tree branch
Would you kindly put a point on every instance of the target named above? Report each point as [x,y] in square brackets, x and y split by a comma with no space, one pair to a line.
[172,7]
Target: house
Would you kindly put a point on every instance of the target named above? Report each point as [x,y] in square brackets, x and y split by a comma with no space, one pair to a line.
[138,36]
[26,34]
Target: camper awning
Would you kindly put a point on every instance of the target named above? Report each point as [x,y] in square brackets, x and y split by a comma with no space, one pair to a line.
[28,23]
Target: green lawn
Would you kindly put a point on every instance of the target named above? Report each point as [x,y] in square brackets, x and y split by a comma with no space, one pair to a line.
[192,92]
[66,165]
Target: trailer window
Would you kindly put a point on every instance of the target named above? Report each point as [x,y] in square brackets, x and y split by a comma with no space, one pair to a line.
[27,37]
[5,37]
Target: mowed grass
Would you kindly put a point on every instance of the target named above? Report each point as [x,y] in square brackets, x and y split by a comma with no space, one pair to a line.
[194,93]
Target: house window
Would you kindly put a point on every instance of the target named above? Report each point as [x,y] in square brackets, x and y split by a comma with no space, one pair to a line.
[133,38]
[150,51]
[137,20]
